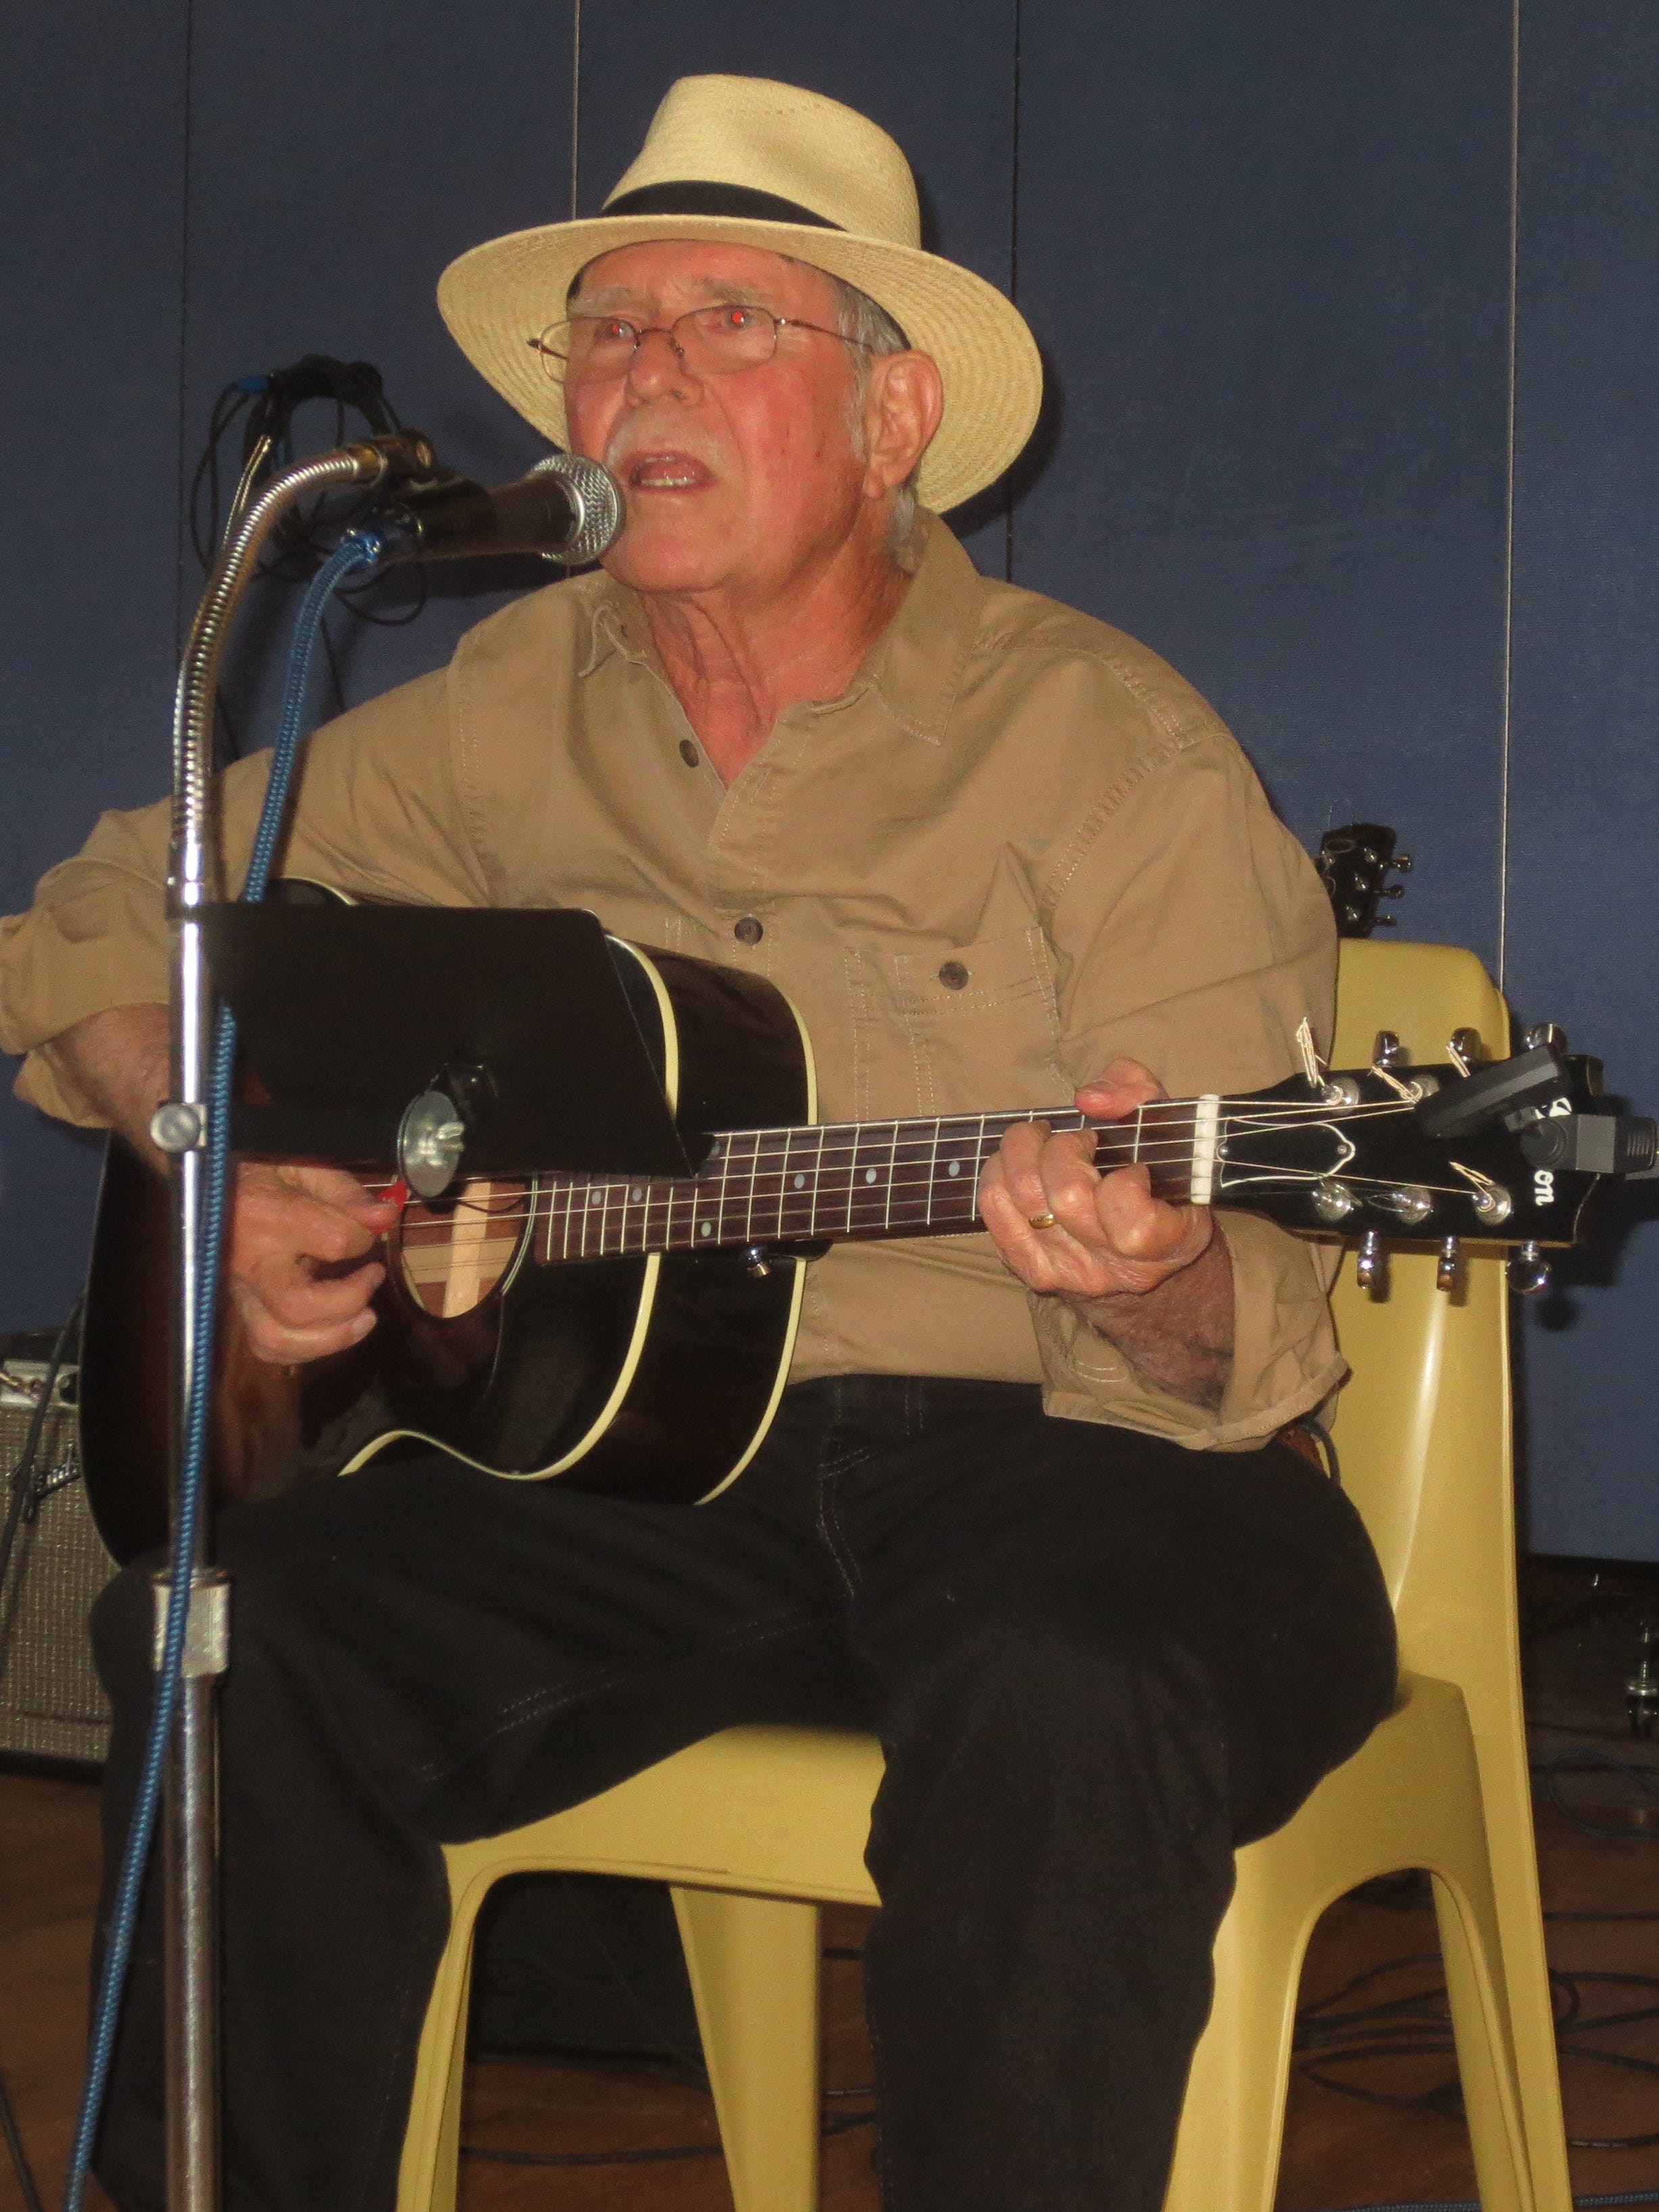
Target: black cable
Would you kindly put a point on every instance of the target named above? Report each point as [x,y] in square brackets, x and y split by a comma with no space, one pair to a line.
[1473,2203]
[263,409]
[836,2123]
[20,2162]
[1590,1759]
[830,2124]
[1418,2025]
[1327,1444]
[25,1494]
[667,2155]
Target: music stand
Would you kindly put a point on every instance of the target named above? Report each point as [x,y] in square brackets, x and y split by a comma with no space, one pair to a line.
[348,1014]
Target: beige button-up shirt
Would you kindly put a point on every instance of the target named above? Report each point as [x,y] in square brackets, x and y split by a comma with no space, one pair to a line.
[1017,846]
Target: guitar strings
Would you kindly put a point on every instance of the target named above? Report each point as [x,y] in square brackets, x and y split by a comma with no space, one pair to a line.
[572,1195]
[756,1157]
[738,1162]
[1266,1119]
[614,1237]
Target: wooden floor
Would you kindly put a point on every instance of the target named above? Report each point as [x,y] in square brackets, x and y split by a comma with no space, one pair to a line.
[1337,2152]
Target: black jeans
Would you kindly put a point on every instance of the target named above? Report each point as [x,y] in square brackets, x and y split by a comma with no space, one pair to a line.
[1095,1662]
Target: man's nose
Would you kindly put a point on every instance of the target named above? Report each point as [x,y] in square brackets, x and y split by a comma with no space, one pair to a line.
[658,367]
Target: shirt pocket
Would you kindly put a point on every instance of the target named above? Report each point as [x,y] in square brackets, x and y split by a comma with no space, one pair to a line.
[959,1029]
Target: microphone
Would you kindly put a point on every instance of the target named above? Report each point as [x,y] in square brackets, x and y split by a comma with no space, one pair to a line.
[567,509]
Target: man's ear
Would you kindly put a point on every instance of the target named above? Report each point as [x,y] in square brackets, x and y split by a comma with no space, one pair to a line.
[901,412]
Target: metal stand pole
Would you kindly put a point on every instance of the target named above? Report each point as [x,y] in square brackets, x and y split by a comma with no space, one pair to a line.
[179,1127]
[190,1845]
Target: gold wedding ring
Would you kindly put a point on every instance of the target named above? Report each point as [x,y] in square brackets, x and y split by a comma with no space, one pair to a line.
[1041,1220]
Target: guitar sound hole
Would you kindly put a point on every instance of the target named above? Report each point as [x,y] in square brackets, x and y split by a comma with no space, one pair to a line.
[454,1251]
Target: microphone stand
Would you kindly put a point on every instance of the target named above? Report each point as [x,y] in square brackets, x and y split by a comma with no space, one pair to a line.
[180,1129]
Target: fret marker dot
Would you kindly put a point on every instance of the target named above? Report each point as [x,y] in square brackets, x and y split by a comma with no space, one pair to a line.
[637,1193]
[708,1228]
[800,1182]
[955,1168]
[869,1175]
[594,1198]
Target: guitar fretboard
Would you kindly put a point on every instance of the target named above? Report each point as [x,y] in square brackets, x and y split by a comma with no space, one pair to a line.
[849,1180]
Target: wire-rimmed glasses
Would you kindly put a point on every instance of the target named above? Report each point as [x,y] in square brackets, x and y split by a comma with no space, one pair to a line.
[712,341]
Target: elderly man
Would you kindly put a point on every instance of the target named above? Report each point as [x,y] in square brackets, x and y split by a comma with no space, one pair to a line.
[1021,1509]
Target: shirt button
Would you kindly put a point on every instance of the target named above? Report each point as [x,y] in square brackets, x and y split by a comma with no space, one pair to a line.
[748,930]
[688,752]
[953,976]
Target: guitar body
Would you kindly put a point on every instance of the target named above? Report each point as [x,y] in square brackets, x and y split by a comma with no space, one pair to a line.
[653,1377]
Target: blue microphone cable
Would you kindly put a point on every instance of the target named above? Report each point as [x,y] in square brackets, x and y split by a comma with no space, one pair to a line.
[360,550]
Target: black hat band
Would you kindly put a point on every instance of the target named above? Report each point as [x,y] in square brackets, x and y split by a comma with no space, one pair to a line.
[740,201]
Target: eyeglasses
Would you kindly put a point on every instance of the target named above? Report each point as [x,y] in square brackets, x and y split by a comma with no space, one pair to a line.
[716,341]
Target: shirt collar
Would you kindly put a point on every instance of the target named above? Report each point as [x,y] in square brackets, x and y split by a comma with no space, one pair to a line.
[913,668]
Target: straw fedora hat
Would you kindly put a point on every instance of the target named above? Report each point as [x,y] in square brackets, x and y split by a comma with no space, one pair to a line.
[767,165]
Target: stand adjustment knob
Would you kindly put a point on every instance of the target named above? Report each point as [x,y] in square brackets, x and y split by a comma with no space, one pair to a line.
[176,1127]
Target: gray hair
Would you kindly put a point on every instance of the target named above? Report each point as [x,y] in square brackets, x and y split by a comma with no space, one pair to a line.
[873,332]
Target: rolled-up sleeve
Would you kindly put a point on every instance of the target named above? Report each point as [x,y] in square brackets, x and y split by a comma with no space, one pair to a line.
[1194,937]
[377,813]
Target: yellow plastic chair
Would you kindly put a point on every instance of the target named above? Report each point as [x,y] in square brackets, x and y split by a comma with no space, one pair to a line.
[756,1827]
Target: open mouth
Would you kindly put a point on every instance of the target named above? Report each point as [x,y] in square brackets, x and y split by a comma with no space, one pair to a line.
[668,472]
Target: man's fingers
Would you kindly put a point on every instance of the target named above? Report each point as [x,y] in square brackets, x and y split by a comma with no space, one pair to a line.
[295,1298]
[298,1223]
[1061,1226]
[1135,1224]
[1035,1164]
[336,1188]
[1120,1087]
[299,1265]
[288,1344]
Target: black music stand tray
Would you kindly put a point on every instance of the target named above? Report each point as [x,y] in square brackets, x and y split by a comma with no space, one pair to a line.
[347,1014]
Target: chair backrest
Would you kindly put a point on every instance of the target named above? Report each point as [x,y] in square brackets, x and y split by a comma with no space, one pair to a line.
[1423,1427]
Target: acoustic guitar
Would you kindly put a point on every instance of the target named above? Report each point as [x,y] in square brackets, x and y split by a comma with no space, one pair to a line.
[632,1334]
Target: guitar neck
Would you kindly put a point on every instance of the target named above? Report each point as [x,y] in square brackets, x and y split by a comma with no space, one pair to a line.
[852,1180]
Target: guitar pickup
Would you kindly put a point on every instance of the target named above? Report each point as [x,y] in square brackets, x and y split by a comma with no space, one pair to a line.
[1512,1092]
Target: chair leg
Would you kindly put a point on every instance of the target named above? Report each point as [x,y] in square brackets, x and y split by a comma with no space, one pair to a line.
[1474,1985]
[1506,1790]
[754,1967]
[1233,2118]
[428,2175]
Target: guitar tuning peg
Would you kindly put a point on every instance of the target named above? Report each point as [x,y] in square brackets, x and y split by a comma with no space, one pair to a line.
[1529,1272]
[1403,862]
[1392,890]
[1545,1033]
[1447,1266]
[1387,922]
[1368,1264]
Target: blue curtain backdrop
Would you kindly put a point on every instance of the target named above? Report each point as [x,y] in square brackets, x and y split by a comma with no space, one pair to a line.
[1350,315]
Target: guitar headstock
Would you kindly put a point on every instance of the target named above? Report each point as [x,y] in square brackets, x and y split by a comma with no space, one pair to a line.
[1354,864]
[1502,1153]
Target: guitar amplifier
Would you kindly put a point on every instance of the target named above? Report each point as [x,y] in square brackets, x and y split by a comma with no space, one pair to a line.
[51,1706]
